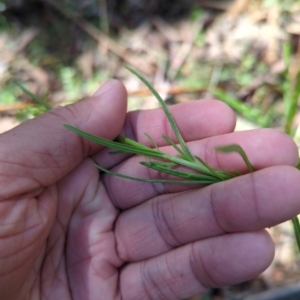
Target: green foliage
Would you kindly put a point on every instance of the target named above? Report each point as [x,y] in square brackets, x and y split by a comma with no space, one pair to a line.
[74,84]
[238,149]
[38,100]
[195,13]
[194,76]
[200,172]
[291,94]
[70,81]
[291,91]
[8,93]
[4,23]
[30,112]
[251,113]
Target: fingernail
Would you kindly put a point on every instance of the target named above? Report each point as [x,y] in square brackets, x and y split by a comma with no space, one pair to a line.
[105,87]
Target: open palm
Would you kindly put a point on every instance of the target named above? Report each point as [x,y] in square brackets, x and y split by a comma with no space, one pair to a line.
[68,232]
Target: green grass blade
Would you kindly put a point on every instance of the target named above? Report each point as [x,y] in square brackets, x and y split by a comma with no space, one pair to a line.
[217,174]
[182,162]
[296,226]
[158,166]
[150,180]
[34,97]
[298,164]
[169,141]
[152,141]
[287,53]
[238,149]
[292,106]
[137,149]
[127,145]
[287,82]
[250,113]
[291,95]
[185,149]
[127,141]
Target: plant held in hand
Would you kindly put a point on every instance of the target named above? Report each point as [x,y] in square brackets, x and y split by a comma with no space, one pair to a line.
[201,173]
[197,171]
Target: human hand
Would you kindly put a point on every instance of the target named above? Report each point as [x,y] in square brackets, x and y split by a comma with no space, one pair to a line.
[67,232]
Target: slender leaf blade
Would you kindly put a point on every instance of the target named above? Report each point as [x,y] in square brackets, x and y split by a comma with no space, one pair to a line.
[296,226]
[178,173]
[34,97]
[168,140]
[217,174]
[181,141]
[292,105]
[238,149]
[150,180]
[142,150]
[152,141]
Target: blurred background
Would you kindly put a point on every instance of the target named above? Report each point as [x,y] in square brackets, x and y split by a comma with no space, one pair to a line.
[243,52]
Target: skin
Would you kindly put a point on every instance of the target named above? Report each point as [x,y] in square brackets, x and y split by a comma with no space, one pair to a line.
[67,232]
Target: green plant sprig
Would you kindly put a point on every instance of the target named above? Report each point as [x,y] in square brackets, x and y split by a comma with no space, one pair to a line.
[201,172]
[291,94]
[167,163]
[37,99]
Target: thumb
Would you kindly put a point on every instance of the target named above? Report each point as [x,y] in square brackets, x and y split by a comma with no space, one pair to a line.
[41,151]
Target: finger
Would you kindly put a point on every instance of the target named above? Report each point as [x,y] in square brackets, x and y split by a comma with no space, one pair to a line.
[196,120]
[264,147]
[192,269]
[247,203]
[41,151]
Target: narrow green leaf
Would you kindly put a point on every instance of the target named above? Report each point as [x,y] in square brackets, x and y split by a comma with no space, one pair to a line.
[287,53]
[247,111]
[182,162]
[130,142]
[182,174]
[238,149]
[166,164]
[150,180]
[142,150]
[130,146]
[181,141]
[217,174]
[152,141]
[169,141]
[292,106]
[298,164]
[296,226]
[34,97]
